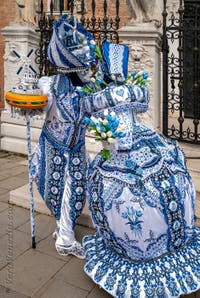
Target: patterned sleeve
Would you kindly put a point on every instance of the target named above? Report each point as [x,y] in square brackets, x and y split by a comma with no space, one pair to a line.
[117,95]
[44,83]
[140,98]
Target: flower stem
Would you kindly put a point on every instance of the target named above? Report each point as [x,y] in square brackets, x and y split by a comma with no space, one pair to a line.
[105,154]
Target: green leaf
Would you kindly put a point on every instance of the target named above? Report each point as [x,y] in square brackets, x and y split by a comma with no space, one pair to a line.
[105,154]
[97,51]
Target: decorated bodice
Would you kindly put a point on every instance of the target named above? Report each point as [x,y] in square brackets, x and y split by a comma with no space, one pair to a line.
[126,113]
[67,107]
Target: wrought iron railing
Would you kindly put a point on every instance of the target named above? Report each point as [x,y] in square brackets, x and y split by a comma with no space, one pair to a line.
[181,71]
[101,27]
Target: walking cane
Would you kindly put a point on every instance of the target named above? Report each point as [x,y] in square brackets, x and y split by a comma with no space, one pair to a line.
[32,211]
[24,97]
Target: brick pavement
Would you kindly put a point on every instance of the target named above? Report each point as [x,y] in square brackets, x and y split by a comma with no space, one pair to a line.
[25,272]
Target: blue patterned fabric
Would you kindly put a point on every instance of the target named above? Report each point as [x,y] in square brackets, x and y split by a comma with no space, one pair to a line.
[61,147]
[69,46]
[116,57]
[142,204]
[171,275]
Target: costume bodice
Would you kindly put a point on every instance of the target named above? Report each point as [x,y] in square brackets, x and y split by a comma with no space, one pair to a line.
[67,108]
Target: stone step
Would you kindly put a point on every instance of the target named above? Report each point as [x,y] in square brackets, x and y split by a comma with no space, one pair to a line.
[21,197]
[192,153]
[197,209]
[196,180]
[191,150]
[193,166]
[195,174]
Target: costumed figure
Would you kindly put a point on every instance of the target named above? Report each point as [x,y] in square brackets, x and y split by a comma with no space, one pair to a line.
[142,202]
[59,161]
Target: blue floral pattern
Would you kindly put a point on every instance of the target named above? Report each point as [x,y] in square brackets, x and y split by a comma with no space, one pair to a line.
[133,220]
[142,205]
[171,275]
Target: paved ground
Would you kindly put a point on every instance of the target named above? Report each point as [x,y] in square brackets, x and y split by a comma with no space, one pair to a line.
[25,272]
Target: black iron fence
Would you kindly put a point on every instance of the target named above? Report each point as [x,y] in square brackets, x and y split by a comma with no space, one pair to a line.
[104,27]
[181,71]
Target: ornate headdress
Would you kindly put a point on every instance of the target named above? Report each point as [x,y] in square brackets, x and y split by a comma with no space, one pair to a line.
[69,48]
[116,57]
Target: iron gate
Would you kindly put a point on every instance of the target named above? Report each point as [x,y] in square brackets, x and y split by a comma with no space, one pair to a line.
[181,71]
[101,27]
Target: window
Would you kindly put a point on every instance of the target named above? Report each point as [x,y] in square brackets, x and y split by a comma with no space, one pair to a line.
[60,4]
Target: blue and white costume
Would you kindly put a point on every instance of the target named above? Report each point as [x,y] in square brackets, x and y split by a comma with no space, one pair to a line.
[142,203]
[59,161]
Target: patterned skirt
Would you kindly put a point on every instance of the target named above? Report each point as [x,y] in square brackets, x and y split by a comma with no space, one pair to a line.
[142,204]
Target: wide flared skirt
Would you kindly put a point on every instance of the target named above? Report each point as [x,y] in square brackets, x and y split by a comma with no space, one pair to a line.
[170,275]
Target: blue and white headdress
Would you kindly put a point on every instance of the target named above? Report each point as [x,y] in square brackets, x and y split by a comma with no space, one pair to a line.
[70,46]
[116,57]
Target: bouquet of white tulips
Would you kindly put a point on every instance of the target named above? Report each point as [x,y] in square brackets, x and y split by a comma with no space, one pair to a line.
[106,129]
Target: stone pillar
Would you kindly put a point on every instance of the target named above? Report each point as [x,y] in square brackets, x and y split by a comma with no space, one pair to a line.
[20,40]
[145,54]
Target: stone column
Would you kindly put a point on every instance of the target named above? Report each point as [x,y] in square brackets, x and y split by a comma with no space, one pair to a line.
[144,43]
[20,40]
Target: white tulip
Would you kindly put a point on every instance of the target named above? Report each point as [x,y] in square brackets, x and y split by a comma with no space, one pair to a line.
[112,113]
[92,132]
[140,73]
[103,135]
[148,79]
[111,140]
[113,77]
[98,129]
[100,119]
[105,112]
[105,122]
[95,120]
[109,134]
[92,42]
[93,80]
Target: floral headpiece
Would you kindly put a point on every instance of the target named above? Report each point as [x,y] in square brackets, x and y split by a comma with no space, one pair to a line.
[69,48]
